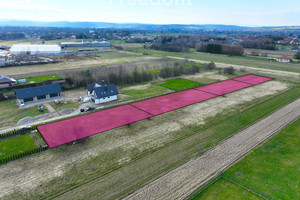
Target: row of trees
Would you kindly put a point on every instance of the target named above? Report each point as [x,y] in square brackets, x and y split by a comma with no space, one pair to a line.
[259,44]
[122,75]
[232,50]
[11,36]
[297,55]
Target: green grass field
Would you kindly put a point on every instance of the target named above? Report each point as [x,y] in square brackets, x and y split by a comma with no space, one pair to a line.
[11,112]
[180,84]
[271,170]
[15,145]
[224,189]
[40,79]
[144,91]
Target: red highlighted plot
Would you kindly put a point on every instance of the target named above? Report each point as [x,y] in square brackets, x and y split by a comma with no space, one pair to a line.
[69,130]
[173,101]
[223,87]
[253,79]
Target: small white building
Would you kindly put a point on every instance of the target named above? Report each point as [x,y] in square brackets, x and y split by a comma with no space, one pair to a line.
[102,93]
[34,49]
[284,59]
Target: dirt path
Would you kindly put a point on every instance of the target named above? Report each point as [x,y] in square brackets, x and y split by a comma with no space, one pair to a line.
[261,70]
[51,110]
[183,181]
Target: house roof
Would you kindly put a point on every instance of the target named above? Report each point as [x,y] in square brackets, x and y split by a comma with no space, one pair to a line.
[284,58]
[102,90]
[91,87]
[5,79]
[37,91]
[36,48]
[106,91]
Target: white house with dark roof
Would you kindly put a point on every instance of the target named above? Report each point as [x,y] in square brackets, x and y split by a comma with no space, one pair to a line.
[102,93]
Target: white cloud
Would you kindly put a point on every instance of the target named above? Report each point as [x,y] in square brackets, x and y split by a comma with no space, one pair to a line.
[26,5]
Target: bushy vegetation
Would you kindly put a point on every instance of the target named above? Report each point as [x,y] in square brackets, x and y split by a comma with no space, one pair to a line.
[123,75]
[297,55]
[259,44]
[232,50]
[180,84]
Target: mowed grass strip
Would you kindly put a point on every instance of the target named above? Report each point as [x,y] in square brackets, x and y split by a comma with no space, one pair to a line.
[144,91]
[273,169]
[16,145]
[180,84]
[224,190]
[152,164]
[39,79]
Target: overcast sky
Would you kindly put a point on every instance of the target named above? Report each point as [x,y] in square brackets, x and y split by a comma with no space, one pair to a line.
[234,12]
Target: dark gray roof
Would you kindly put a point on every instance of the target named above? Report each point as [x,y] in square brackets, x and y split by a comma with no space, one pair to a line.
[106,91]
[4,79]
[38,91]
[91,87]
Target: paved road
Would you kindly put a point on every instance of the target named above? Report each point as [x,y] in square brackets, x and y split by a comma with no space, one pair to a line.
[184,180]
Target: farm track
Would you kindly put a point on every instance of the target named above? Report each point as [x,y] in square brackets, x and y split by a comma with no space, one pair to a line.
[186,179]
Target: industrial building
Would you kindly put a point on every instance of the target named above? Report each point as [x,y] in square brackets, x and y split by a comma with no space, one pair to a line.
[35,49]
[86,44]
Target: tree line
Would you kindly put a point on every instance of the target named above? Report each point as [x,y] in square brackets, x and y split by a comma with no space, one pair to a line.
[232,50]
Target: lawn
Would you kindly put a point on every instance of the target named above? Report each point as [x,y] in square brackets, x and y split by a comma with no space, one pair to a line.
[11,112]
[144,91]
[18,144]
[271,170]
[39,79]
[224,190]
[180,84]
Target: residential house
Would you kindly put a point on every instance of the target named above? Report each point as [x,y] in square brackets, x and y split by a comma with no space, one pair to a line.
[6,81]
[36,94]
[284,59]
[102,93]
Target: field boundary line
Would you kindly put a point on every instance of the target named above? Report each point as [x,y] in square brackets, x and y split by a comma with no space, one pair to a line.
[141,110]
[241,186]
[174,142]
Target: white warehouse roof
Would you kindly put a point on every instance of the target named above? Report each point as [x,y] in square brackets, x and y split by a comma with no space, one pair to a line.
[35,49]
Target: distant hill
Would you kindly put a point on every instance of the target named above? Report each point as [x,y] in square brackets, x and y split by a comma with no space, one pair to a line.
[140,26]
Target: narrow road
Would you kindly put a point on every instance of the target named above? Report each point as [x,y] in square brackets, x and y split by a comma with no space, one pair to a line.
[184,180]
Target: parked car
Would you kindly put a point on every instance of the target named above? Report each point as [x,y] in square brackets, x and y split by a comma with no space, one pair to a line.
[22,128]
[90,109]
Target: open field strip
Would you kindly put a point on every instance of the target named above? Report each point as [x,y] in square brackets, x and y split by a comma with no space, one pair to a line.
[53,172]
[179,183]
[63,132]
[261,70]
[128,178]
[18,70]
